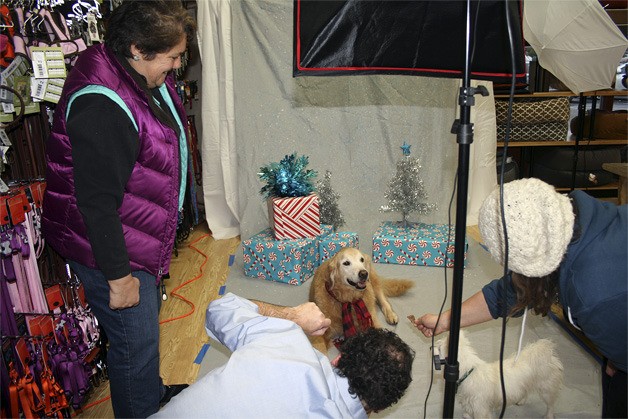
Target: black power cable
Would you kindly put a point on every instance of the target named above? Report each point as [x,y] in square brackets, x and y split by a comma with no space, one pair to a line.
[501,203]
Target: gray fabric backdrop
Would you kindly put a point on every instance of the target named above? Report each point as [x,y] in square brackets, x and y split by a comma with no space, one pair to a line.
[352,126]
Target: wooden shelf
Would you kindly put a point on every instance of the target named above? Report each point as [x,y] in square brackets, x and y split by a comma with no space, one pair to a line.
[608,93]
[581,143]
[608,187]
[611,191]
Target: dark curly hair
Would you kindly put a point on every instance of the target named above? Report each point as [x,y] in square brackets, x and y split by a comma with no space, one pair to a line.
[153,26]
[378,366]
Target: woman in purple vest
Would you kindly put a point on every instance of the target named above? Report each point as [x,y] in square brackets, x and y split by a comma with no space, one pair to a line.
[116,165]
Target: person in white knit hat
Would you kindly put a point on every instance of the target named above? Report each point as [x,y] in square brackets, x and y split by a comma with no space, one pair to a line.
[572,249]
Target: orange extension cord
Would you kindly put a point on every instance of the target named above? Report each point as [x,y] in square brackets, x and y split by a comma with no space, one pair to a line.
[174,294]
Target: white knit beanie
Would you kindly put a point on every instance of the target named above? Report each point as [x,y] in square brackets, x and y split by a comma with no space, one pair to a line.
[539,224]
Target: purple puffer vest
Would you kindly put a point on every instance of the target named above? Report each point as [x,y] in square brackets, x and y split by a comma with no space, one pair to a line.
[149,208]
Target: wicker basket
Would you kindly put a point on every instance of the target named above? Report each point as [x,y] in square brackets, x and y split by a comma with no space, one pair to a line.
[534,119]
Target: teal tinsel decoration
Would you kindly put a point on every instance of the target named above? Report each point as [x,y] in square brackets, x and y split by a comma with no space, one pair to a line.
[288,178]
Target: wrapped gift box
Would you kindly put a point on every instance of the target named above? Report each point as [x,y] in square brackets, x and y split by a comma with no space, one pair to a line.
[326,229]
[416,244]
[289,261]
[294,218]
[330,243]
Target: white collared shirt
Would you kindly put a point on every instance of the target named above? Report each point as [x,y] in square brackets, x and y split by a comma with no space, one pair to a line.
[273,372]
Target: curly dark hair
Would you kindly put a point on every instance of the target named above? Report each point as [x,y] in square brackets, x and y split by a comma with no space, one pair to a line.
[378,366]
[153,26]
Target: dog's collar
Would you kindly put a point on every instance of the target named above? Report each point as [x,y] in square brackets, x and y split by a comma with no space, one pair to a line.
[329,291]
[464,377]
[328,288]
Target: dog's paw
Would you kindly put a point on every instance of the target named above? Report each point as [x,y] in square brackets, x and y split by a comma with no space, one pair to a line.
[392,318]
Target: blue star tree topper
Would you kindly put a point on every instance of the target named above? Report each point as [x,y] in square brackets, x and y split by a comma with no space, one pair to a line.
[405,149]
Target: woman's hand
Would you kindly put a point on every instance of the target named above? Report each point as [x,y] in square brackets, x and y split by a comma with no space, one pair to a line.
[427,324]
[474,311]
[124,292]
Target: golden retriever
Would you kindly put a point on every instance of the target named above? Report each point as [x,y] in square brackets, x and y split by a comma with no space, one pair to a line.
[349,276]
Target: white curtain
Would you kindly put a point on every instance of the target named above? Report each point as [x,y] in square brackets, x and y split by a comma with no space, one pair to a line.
[218,151]
[352,126]
[482,165]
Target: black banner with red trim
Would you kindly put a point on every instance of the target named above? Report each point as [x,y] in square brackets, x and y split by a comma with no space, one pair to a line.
[421,37]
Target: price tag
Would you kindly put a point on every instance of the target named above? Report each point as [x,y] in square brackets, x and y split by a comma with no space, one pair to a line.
[8,107]
[92,28]
[4,138]
[48,62]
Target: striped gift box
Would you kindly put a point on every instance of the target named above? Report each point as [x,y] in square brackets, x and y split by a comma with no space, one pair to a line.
[295,218]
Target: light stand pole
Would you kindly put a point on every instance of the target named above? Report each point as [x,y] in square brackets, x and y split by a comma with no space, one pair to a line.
[463,129]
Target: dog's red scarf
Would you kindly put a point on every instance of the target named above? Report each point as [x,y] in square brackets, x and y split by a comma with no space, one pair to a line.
[361,313]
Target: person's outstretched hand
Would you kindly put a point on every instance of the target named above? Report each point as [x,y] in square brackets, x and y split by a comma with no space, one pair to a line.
[310,318]
[124,292]
[427,324]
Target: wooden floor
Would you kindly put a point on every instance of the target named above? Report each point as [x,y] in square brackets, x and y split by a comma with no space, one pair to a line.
[197,274]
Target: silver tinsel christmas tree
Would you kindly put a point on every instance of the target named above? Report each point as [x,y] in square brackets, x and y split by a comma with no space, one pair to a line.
[406,193]
[329,212]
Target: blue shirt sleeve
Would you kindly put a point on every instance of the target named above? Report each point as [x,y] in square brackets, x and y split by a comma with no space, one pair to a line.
[235,321]
[494,296]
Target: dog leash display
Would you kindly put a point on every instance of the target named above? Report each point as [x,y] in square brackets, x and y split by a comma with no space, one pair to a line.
[51,344]
[53,368]
[18,255]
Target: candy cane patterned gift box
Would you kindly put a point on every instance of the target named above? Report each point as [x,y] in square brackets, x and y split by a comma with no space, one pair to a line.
[331,243]
[417,244]
[289,261]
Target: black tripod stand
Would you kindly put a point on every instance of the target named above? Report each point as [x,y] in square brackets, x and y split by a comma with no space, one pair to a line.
[463,129]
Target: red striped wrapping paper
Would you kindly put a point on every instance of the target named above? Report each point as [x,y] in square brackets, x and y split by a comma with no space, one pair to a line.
[295,218]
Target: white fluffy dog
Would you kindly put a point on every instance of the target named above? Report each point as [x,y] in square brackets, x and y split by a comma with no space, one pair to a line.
[479,391]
